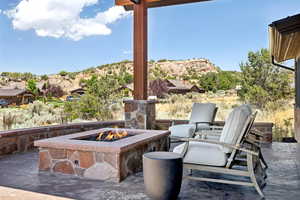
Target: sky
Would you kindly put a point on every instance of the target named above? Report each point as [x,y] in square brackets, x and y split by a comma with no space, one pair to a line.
[48,36]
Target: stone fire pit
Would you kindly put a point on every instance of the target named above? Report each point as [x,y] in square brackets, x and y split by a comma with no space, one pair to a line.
[102,160]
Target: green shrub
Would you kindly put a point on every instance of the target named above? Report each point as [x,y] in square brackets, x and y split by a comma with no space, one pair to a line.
[63,73]
[101,94]
[44,77]
[263,83]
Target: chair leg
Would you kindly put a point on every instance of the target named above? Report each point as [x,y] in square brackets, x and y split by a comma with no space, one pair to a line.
[252,174]
[261,172]
[263,159]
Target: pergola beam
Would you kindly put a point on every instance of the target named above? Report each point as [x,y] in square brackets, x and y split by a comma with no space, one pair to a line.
[140,40]
[140,54]
[128,4]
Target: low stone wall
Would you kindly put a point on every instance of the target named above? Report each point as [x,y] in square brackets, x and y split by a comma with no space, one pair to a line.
[265,127]
[21,140]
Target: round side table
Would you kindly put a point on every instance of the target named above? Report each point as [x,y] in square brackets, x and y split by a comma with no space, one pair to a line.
[162,175]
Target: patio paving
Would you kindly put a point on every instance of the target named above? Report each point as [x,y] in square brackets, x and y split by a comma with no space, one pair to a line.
[20,171]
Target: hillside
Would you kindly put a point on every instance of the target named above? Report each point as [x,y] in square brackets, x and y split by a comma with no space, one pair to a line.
[176,69]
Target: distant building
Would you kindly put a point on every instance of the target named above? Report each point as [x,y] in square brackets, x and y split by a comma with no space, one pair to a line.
[78,92]
[16,96]
[182,87]
[172,87]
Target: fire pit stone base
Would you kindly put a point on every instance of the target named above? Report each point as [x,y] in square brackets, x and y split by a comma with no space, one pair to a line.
[70,156]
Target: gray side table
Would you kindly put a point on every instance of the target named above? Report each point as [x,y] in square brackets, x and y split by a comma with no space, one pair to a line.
[162,175]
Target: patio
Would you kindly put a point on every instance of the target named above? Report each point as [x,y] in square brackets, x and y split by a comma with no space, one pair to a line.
[21,171]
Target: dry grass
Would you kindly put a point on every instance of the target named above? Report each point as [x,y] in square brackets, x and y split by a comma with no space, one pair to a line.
[173,107]
[179,107]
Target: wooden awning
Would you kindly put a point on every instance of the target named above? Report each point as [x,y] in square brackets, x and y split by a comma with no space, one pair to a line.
[285,38]
[128,4]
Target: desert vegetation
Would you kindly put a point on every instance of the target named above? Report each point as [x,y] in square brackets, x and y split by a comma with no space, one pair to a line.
[267,88]
[32,115]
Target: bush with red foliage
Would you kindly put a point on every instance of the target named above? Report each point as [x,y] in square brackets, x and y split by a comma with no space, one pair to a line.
[158,88]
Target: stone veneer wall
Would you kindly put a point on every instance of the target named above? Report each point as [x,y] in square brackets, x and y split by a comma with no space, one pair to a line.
[264,127]
[21,140]
[109,166]
[140,114]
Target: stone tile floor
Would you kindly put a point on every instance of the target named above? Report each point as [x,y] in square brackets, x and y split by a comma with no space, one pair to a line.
[20,171]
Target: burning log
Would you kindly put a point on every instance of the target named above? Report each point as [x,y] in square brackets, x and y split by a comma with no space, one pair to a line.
[111,135]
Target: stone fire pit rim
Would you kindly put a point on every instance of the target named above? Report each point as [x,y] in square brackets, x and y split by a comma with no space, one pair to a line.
[70,142]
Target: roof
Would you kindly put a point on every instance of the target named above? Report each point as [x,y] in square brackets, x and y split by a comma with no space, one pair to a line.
[285,38]
[180,84]
[77,89]
[128,4]
[11,92]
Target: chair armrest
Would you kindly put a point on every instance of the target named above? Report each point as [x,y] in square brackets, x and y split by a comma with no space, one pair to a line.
[220,128]
[182,130]
[254,143]
[208,132]
[257,133]
[237,147]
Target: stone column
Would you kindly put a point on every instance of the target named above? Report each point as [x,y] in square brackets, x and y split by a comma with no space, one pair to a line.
[140,114]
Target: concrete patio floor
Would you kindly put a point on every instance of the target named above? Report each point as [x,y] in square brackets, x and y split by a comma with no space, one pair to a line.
[20,171]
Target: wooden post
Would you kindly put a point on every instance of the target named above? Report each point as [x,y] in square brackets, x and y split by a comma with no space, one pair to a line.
[297,100]
[140,51]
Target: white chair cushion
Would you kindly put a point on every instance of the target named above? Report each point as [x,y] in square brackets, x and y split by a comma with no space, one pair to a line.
[183,130]
[203,154]
[234,126]
[203,112]
[202,126]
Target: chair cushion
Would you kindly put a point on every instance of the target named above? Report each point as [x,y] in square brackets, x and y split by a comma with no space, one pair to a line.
[183,130]
[203,112]
[202,126]
[234,126]
[203,153]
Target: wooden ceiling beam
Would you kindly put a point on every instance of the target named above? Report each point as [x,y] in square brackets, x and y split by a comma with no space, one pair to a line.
[128,5]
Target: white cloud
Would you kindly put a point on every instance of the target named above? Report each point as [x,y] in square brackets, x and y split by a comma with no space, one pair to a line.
[61,18]
[126,52]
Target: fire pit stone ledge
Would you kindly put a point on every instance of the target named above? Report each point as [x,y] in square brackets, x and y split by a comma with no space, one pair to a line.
[101,160]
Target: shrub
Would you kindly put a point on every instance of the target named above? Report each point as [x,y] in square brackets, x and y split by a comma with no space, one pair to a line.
[262,82]
[31,86]
[63,73]
[44,77]
[101,94]
[158,88]
[162,60]
[51,90]
[8,120]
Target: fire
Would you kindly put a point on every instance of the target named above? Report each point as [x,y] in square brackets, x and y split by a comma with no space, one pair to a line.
[112,135]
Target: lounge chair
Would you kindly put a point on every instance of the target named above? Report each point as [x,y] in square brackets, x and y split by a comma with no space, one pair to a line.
[221,156]
[202,117]
[252,138]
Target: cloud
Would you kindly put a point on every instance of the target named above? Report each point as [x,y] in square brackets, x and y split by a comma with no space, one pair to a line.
[126,52]
[61,18]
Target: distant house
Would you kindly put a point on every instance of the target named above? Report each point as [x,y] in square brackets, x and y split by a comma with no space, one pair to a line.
[182,87]
[16,96]
[172,87]
[77,92]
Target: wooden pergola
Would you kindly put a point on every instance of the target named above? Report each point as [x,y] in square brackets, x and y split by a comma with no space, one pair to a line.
[140,53]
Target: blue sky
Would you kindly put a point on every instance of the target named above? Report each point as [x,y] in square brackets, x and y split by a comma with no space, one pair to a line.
[222,31]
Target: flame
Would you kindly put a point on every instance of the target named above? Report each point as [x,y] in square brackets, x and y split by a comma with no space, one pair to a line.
[111,135]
